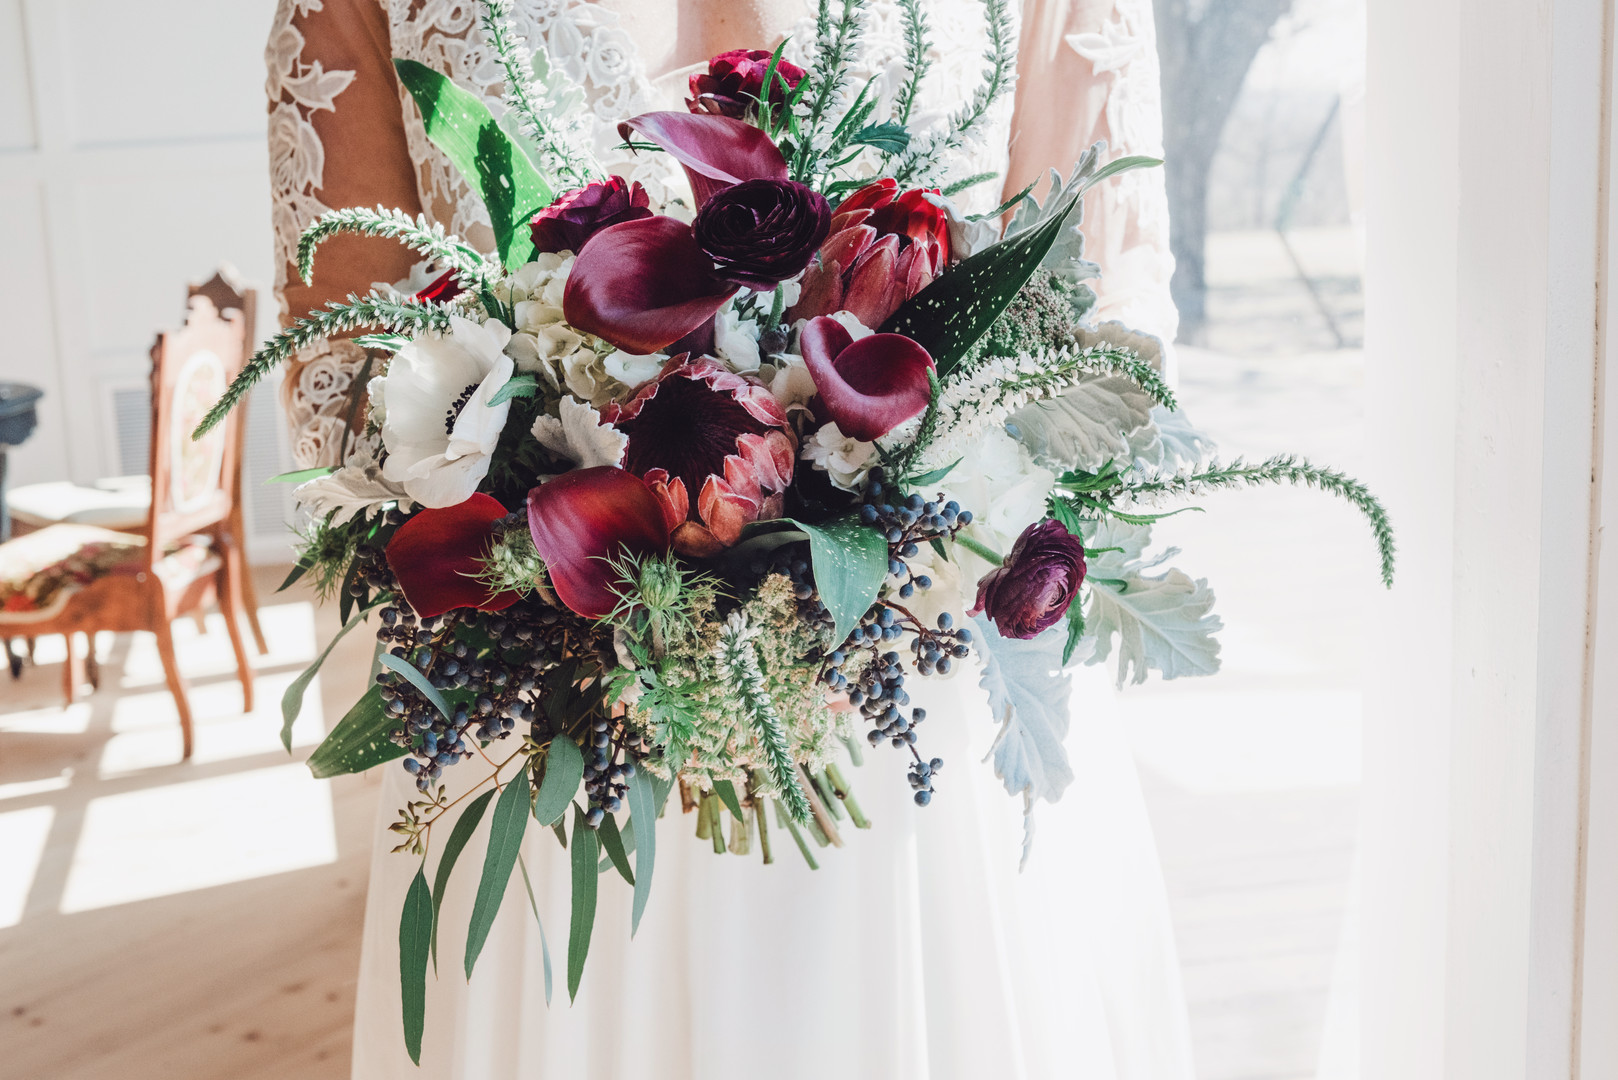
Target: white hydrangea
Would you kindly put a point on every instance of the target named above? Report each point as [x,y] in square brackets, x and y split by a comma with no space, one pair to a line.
[843,458]
[544,344]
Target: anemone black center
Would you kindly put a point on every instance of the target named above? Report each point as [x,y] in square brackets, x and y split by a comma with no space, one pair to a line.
[456,406]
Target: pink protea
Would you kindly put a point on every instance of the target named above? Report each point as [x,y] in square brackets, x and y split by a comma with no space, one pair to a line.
[885,247]
[699,427]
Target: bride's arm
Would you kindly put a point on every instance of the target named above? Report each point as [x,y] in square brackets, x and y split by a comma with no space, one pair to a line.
[1088,70]
[336,140]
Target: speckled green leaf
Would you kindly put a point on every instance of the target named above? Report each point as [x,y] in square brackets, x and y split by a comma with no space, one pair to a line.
[850,560]
[460,124]
[359,740]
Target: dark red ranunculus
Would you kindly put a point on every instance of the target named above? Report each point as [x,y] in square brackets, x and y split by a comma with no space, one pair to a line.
[734,83]
[884,248]
[437,557]
[716,151]
[643,285]
[1034,587]
[583,520]
[867,387]
[701,430]
[442,289]
[762,232]
[579,214]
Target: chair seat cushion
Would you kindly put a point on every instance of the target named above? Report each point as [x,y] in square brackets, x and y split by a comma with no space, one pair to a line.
[39,572]
[117,503]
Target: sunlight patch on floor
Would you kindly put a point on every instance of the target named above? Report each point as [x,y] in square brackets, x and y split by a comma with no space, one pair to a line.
[50,720]
[22,838]
[201,833]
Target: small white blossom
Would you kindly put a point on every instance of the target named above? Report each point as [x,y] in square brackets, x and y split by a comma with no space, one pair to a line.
[844,459]
[736,340]
[633,370]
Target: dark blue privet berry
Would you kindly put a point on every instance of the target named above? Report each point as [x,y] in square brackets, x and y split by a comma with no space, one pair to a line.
[964,517]
[873,736]
[915,502]
[906,591]
[923,797]
[593,818]
[923,581]
[935,764]
[868,514]
[412,765]
[945,620]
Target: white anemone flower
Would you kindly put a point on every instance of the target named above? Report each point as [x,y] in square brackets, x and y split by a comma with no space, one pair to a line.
[438,426]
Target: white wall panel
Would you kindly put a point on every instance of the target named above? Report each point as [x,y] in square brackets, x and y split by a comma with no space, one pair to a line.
[163,70]
[28,353]
[171,229]
[16,96]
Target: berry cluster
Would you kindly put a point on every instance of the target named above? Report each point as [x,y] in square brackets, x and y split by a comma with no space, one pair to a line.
[874,678]
[606,779]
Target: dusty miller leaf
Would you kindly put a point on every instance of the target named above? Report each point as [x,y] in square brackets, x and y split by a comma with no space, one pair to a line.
[1162,622]
[1028,695]
[1169,443]
[1085,426]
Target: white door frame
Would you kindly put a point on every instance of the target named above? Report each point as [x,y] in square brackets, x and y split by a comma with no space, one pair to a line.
[1486,730]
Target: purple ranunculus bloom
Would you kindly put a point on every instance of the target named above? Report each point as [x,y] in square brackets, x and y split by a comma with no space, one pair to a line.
[579,214]
[1039,580]
[761,232]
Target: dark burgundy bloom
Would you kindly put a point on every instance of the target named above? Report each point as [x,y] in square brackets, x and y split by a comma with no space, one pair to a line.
[583,520]
[700,429]
[884,248]
[442,289]
[437,556]
[867,387]
[734,82]
[762,232]
[579,214]
[643,285]
[1034,587]
[716,151]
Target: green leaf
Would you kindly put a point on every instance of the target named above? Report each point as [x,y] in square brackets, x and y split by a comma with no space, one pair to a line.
[932,477]
[460,124]
[613,843]
[564,768]
[389,342]
[359,741]
[301,476]
[1075,630]
[505,841]
[850,560]
[544,944]
[516,386]
[465,825]
[584,900]
[415,930]
[643,807]
[414,677]
[292,700]
[889,137]
[949,315]
[727,795]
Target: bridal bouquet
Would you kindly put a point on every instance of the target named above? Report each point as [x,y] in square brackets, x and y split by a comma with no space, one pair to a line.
[681,498]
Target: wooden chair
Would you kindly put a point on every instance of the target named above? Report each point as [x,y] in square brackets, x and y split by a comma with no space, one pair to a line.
[122,503]
[72,578]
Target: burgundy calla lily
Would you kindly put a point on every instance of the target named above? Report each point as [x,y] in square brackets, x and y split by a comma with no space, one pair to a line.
[867,387]
[717,151]
[643,285]
[442,289]
[584,518]
[437,556]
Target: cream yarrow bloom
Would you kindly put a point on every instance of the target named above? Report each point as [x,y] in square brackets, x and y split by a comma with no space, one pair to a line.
[437,424]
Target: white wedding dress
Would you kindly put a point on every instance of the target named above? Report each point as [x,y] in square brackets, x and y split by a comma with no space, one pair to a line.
[917,951]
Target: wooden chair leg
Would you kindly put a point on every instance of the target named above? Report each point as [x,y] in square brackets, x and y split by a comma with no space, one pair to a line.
[249,595]
[72,670]
[92,666]
[201,621]
[230,603]
[171,669]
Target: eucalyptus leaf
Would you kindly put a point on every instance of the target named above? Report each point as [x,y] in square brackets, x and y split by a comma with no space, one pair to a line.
[613,844]
[414,677]
[415,931]
[583,920]
[727,795]
[544,944]
[506,828]
[292,700]
[850,562]
[564,768]
[359,741]
[465,825]
[495,168]
[643,807]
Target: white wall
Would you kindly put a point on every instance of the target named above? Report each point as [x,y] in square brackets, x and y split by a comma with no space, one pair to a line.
[132,160]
